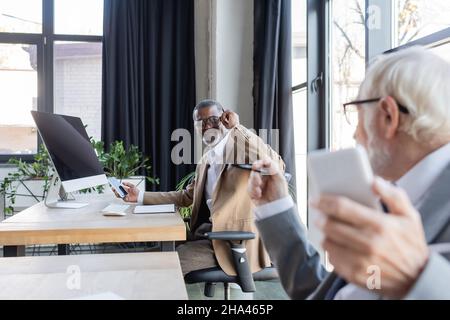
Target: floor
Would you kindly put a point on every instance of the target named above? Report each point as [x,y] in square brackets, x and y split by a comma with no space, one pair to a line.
[268,290]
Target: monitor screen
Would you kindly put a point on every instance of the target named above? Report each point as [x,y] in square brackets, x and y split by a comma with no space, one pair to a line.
[68,146]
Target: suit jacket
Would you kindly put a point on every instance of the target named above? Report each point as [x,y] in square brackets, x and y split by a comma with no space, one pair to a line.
[232,209]
[303,275]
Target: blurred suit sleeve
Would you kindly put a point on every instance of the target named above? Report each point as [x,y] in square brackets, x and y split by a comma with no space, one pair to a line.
[434,282]
[298,263]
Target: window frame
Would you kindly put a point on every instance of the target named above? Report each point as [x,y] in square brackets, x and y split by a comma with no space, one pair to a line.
[45,61]
[317,69]
[318,48]
[431,41]
[378,41]
[382,40]
[317,74]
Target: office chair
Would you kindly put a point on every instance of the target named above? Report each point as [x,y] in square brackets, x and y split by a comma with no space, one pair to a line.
[244,278]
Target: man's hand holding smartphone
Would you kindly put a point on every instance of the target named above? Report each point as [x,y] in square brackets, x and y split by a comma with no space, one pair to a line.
[132,193]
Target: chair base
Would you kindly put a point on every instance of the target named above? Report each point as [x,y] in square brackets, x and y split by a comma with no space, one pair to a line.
[215,275]
[210,290]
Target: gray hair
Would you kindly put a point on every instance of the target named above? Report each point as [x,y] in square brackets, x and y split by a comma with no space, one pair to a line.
[419,80]
[207,104]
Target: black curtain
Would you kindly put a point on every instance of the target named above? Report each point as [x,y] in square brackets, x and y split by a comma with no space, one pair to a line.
[272,90]
[149,79]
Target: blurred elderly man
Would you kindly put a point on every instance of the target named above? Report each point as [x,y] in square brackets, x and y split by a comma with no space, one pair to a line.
[404,124]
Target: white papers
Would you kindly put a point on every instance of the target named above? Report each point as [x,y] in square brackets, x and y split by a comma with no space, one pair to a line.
[164,208]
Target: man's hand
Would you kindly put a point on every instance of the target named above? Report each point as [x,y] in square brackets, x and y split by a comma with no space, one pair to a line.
[265,189]
[358,238]
[133,192]
[229,119]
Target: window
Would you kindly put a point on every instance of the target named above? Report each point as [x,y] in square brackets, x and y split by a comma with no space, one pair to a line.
[82,17]
[18,80]
[23,16]
[403,21]
[347,65]
[443,51]
[57,72]
[415,19]
[299,78]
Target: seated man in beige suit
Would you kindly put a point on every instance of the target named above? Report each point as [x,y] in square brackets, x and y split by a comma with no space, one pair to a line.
[218,192]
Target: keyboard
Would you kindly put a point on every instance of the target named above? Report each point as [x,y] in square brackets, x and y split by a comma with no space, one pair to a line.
[115,210]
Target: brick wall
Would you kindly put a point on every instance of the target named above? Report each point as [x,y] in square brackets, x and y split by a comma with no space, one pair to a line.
[78,90]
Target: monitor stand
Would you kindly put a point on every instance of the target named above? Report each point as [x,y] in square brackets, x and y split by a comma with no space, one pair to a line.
[57,198]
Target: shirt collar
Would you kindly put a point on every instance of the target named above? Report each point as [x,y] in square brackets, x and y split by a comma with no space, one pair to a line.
[419,179]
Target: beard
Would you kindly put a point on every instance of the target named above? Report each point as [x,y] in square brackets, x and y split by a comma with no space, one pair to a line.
[213,136]
[379,156]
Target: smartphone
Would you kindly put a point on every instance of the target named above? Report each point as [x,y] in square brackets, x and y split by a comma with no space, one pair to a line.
[344,173]
[118,187]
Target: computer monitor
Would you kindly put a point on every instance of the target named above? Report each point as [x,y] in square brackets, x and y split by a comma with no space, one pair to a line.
[70,151]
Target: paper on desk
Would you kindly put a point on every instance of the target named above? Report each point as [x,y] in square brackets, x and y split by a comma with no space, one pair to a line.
[164,208]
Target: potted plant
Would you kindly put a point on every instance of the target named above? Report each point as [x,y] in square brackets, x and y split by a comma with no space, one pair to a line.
[125,164]
[186,213]
[28,183]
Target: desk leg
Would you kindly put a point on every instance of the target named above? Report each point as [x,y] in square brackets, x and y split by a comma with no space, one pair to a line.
[63,250]
[13,251]
[167,246]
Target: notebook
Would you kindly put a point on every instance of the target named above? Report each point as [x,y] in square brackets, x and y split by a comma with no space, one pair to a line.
[163,208]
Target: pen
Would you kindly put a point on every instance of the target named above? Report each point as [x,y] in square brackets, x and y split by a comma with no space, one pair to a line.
[249,167]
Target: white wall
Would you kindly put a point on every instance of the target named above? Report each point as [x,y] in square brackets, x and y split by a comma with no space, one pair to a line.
[4,170]
[224,54]
[234,57]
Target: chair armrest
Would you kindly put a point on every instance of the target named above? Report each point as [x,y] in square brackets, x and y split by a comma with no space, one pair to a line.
[230,236]
[238,251]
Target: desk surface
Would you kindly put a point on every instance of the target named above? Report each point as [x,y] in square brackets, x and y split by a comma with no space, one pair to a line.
[137,276]
[41,225]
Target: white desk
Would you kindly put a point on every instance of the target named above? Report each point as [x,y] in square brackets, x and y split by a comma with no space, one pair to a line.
[136,276]
[41,225]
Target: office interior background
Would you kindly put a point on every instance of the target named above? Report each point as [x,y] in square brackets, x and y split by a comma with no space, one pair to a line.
[63,56]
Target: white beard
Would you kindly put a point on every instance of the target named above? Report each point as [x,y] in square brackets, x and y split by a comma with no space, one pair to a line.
[379,156]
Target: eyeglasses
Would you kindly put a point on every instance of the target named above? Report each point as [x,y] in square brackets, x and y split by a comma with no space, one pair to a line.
[351,109]
[212,122]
